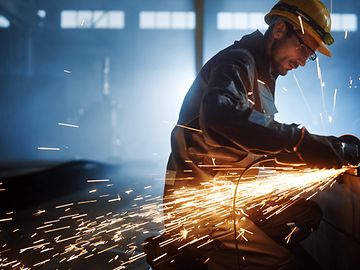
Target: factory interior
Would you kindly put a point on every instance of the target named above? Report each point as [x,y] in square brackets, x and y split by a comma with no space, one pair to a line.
[90,93]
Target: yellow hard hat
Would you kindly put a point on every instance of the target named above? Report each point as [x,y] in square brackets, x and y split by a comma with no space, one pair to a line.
[315,18]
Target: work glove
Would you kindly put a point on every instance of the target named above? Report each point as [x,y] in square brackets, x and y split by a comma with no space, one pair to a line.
[326,151]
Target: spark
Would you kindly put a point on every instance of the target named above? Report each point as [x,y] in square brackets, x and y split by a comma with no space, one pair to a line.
[57,229]
[287,238]
[184,233]
[68,125]
[41,263]
[38,241]
[51,221]
[67,239]
[91,255]
[260,81]
[303,95]
[9,263]
[334,101]
[186,214]
[112,247]
[79,216]
[322,85]
[49,148]
[5,219]
[158,258]
[346,34]
[284,89]
[118,198]
[64,205]
[189,128]
[242,234]
[34,247]
[86,202]
[68,216]
[252,102]
[308,198]
[301,24]
[97,180]
[39,212]
[67,71]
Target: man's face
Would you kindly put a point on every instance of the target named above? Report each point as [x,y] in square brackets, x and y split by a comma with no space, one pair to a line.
[290,51]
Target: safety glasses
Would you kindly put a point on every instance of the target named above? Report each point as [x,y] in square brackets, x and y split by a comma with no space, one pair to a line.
[305,49]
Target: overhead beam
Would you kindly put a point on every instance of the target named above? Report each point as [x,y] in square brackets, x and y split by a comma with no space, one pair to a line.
[199,34]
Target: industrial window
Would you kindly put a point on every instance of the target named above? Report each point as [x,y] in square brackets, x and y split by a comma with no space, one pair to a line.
[167,20]
[344,22]
[255,20]
[241,21]
[4,22]
[98,19]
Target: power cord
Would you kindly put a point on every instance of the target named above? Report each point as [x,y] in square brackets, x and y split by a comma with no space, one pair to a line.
[262,159]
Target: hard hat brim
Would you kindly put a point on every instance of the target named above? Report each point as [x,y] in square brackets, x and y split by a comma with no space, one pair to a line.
[323,49]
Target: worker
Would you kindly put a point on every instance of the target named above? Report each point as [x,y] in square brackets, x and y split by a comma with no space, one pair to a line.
[227,118]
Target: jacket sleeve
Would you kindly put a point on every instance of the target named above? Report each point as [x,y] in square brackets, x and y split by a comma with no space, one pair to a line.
[226,115]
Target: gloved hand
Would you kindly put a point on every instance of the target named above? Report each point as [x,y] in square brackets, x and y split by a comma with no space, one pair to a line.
[326,151]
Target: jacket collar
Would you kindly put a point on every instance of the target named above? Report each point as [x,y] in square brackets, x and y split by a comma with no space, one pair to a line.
[255,43]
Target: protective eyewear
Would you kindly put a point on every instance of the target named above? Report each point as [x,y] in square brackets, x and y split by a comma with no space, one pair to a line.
[305,49]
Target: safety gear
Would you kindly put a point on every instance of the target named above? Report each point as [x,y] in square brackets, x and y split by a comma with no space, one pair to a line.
[319,151]
[227,113]
[311,14]
[327,151]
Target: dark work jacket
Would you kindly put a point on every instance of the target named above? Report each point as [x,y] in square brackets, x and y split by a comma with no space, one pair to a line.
[228,114]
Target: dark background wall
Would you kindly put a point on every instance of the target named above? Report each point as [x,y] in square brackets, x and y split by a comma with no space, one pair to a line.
[150,71]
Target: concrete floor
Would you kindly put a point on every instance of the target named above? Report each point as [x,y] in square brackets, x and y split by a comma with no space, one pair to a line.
[42,209]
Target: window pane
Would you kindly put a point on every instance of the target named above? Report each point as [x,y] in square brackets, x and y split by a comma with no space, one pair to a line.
[84,19]
[100,19]
[68,19]
[163,20]
[116,19]
[147,19]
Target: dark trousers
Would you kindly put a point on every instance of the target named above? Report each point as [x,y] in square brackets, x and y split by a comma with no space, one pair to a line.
[305,215]
[267,247]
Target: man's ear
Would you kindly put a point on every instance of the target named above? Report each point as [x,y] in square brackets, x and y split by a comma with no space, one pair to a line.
[279,29]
